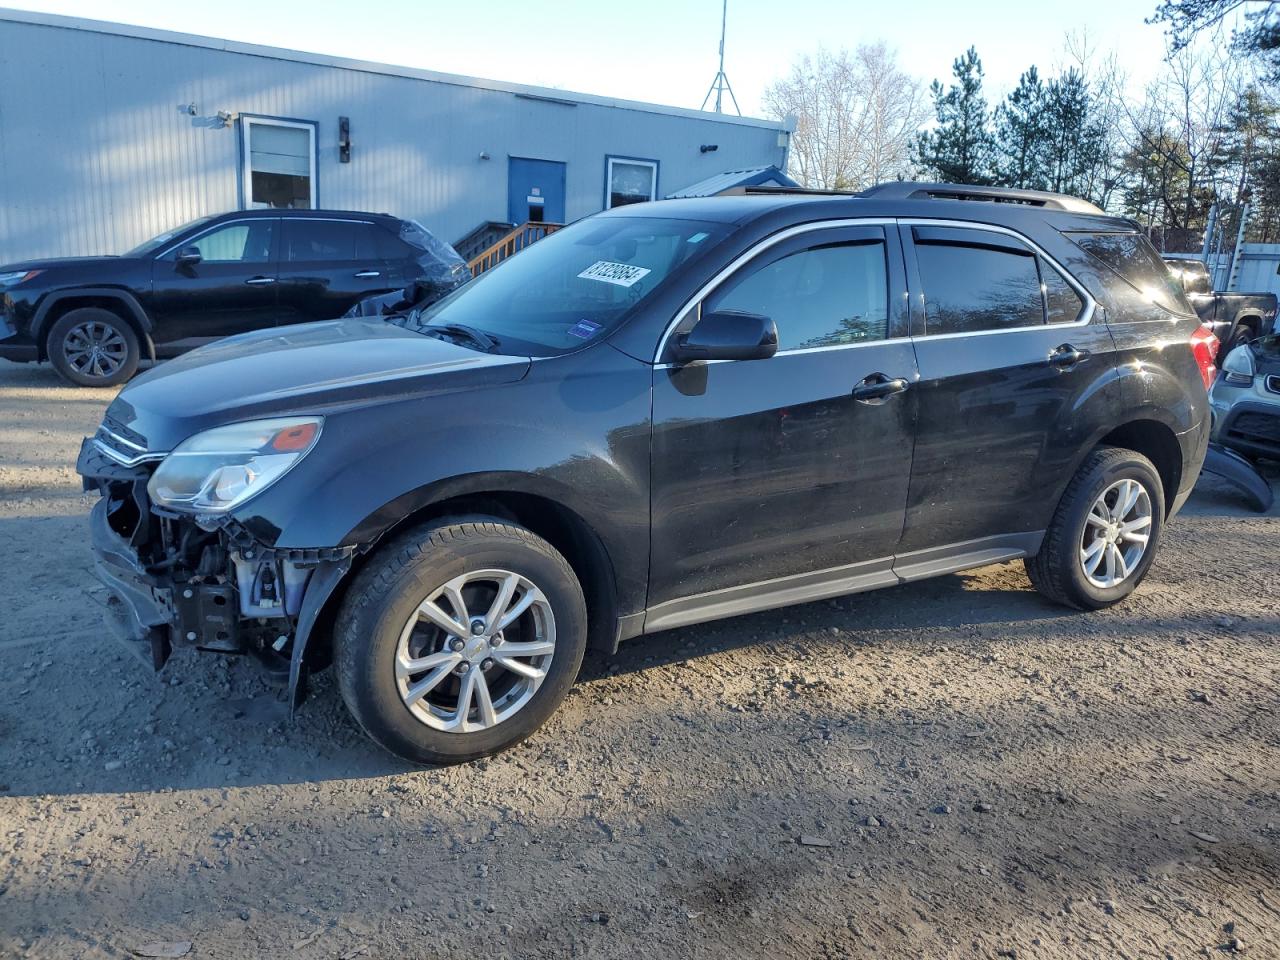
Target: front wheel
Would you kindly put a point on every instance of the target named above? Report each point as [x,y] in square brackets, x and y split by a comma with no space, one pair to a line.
[460,640]
[1104,535]
[93,347]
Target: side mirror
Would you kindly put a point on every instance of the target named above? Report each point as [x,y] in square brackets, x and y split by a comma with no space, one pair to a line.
[189,256]
[729,335]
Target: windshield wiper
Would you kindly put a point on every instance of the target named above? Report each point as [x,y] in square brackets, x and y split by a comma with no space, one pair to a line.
[481,339]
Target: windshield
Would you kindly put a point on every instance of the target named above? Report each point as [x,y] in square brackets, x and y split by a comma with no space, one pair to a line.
[159,240]
[575,286]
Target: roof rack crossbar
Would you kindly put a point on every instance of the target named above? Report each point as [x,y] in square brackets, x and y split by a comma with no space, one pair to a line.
[908,190]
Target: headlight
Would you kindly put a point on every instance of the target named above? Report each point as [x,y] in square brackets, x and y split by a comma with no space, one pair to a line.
[1238,369]
[13,279]
[218,470]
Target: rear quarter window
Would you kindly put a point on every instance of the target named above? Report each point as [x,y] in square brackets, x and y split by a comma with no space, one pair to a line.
[1131,256]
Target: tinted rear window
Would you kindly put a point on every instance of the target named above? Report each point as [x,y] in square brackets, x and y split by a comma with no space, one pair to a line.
[317,240]
[971,287]
[1133,258]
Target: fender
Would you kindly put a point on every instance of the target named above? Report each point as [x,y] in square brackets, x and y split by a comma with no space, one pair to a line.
[40,321]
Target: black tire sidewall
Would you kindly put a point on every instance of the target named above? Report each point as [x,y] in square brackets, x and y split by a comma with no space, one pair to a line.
[1131,467]
[369,637]
[73,318]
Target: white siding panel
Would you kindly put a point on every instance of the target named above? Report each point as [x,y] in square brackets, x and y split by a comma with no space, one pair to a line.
[97,151]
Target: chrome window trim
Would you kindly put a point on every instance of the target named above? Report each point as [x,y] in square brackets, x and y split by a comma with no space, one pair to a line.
[754,251]
[1086,315]
[282,217]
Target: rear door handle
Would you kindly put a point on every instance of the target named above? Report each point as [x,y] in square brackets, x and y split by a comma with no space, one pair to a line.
[1066,356]
[369,273]
[878,387]
[259,281]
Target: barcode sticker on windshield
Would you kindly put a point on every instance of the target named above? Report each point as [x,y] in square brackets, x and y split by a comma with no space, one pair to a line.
[620,274]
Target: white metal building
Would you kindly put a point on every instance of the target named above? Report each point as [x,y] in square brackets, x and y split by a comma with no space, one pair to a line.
[110,134]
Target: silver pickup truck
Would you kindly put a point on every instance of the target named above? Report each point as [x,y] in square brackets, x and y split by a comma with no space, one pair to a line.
[1236,318]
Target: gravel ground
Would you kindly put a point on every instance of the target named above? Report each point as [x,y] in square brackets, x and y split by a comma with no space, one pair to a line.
[952,768]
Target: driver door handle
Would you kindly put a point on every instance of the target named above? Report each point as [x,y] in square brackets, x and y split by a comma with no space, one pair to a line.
[259,281]
[878,387]
[369,273]
[1066,356]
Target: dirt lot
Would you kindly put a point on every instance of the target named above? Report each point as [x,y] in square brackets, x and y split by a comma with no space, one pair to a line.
[953,768]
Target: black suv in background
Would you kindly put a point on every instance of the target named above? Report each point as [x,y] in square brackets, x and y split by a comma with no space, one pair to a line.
[661,415]
[95,318]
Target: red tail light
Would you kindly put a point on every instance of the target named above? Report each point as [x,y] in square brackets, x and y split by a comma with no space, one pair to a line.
[1204,346]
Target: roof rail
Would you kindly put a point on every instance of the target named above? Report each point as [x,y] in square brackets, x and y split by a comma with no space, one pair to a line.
[908,190]
[778,189]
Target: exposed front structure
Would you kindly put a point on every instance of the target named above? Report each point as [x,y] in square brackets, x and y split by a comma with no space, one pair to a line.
[110,134]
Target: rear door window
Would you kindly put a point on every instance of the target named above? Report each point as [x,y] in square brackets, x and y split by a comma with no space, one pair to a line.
[1132,257]
[1061,302]
[315,240]
[977,281]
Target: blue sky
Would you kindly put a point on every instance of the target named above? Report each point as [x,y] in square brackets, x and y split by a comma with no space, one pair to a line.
[657,50]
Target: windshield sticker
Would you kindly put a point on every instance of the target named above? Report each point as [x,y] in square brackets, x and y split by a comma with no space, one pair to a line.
[619,274]
[584,329]
[697,238]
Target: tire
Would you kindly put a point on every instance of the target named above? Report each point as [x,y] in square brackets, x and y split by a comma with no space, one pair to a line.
[1242,334]
[379,626]
[92,347]
[1059,570]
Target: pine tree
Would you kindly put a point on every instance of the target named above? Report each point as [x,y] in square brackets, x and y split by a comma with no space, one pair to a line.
[1021,136]
[1076,138]
[960,149]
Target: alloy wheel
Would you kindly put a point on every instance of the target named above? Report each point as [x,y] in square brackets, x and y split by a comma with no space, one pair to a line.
[1116,533]
[475,651]
[95,349]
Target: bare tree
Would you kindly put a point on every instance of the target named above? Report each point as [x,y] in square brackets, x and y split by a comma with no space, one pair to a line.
[1178,135]
[856,117]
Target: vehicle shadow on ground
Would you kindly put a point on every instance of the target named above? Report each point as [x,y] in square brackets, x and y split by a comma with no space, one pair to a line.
[212,722]
[1089,842]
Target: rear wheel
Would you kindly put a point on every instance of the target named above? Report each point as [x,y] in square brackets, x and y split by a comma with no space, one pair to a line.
[93,347]
[1242,334]
[460,640]
[1104,534]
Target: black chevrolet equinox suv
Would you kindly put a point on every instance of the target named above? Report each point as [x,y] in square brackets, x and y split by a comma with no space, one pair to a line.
[96,318]
[661,415]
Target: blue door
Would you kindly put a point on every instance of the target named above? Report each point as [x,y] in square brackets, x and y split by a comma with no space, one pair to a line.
[535,191]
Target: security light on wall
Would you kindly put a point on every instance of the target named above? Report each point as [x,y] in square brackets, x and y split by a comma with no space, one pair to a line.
[225,118]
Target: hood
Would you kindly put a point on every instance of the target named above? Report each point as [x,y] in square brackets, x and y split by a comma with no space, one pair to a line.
[306,368]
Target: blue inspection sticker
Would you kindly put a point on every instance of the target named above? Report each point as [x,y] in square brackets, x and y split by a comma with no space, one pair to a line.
[584,329]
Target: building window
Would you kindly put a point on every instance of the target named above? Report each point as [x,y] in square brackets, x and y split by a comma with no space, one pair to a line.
[279,163]
[629,181]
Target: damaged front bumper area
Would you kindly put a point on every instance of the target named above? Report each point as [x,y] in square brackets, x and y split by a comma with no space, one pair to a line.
[171,581]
